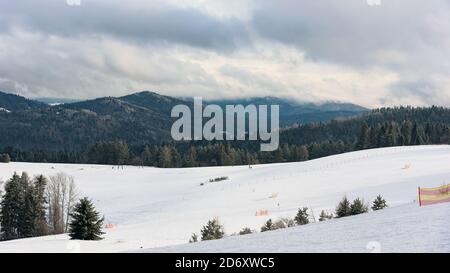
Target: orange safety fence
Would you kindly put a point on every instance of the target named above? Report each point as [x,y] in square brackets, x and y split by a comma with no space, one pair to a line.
[431,196]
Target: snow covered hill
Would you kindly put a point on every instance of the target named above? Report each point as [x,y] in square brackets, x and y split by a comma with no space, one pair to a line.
[406,228]
[152,207]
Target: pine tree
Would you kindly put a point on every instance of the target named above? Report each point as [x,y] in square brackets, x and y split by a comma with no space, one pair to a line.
[268,226]
[358,207]
[86,223]
[302,216]
[379,203]
[212,231]
[343,208]
[325,216]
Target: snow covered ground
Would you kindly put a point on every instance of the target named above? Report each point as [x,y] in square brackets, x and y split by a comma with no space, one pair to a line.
[153,207]
[406,228]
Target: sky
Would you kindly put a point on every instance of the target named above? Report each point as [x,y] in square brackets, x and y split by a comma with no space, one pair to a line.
[369,52]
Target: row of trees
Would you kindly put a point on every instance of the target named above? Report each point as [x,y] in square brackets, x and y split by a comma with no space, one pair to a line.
[214,230]
[380,128]
[41,206]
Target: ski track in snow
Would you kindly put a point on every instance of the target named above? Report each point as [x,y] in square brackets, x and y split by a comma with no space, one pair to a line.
[152,207]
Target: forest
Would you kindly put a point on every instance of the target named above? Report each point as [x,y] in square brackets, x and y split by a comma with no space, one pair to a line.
[384,127]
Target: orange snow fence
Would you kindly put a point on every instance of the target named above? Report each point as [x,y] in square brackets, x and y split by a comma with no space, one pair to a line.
[110,226]
[431,196]
[262,212]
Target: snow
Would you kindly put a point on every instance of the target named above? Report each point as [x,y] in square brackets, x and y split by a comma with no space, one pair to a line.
[406,228]
[152,207]
[4,110]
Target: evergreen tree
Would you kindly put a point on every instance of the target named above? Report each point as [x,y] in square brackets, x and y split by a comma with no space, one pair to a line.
[406,131]
[146,156]
[268,226]
[325,216]
[194,238]
[358,207]
[379,203]
[11,208]
[245,231]
[40,202]
[302,217]
[86,223]
[343,209]
[302,153]
[364,138]
[212,231]
[417,137]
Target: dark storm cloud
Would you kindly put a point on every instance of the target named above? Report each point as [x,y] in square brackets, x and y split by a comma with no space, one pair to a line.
[397,52]
[134,20]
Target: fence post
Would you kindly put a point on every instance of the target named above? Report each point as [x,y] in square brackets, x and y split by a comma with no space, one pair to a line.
[420,201]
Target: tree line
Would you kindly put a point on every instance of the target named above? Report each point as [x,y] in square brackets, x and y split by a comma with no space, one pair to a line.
[31,207]
[381,128]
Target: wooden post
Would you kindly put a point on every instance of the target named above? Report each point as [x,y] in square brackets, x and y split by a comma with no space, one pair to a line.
[420,201]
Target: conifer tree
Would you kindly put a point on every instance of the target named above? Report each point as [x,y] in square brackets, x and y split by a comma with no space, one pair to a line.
[379,203]
[40,202]
[11,207]
[358,207]
[212,231]
[364,138]
[302,217]
[245,231]
[194,238]
[268,226]
[86,223]
[325,216]
[343,208]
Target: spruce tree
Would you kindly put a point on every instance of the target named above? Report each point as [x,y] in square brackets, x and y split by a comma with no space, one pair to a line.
[302,217]
[86,223]
[343,208]
[212,231]
[268,226]
[11,207]
[379,203]
[358,207]
[40,202]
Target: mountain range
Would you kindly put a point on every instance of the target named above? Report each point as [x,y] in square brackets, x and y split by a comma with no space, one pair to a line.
[138,118]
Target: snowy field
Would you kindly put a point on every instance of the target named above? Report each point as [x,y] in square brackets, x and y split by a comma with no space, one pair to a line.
[154,209]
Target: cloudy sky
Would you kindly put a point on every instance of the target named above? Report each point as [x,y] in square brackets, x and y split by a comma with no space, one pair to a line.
[361,51]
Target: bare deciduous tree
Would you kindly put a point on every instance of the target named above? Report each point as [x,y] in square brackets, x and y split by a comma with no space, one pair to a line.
[61,197]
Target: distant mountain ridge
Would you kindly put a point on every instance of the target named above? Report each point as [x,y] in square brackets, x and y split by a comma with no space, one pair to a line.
[138,118]
[293,112]
[13,102]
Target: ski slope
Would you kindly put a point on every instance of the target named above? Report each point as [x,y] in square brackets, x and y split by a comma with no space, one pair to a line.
[406,228]
[152,207]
